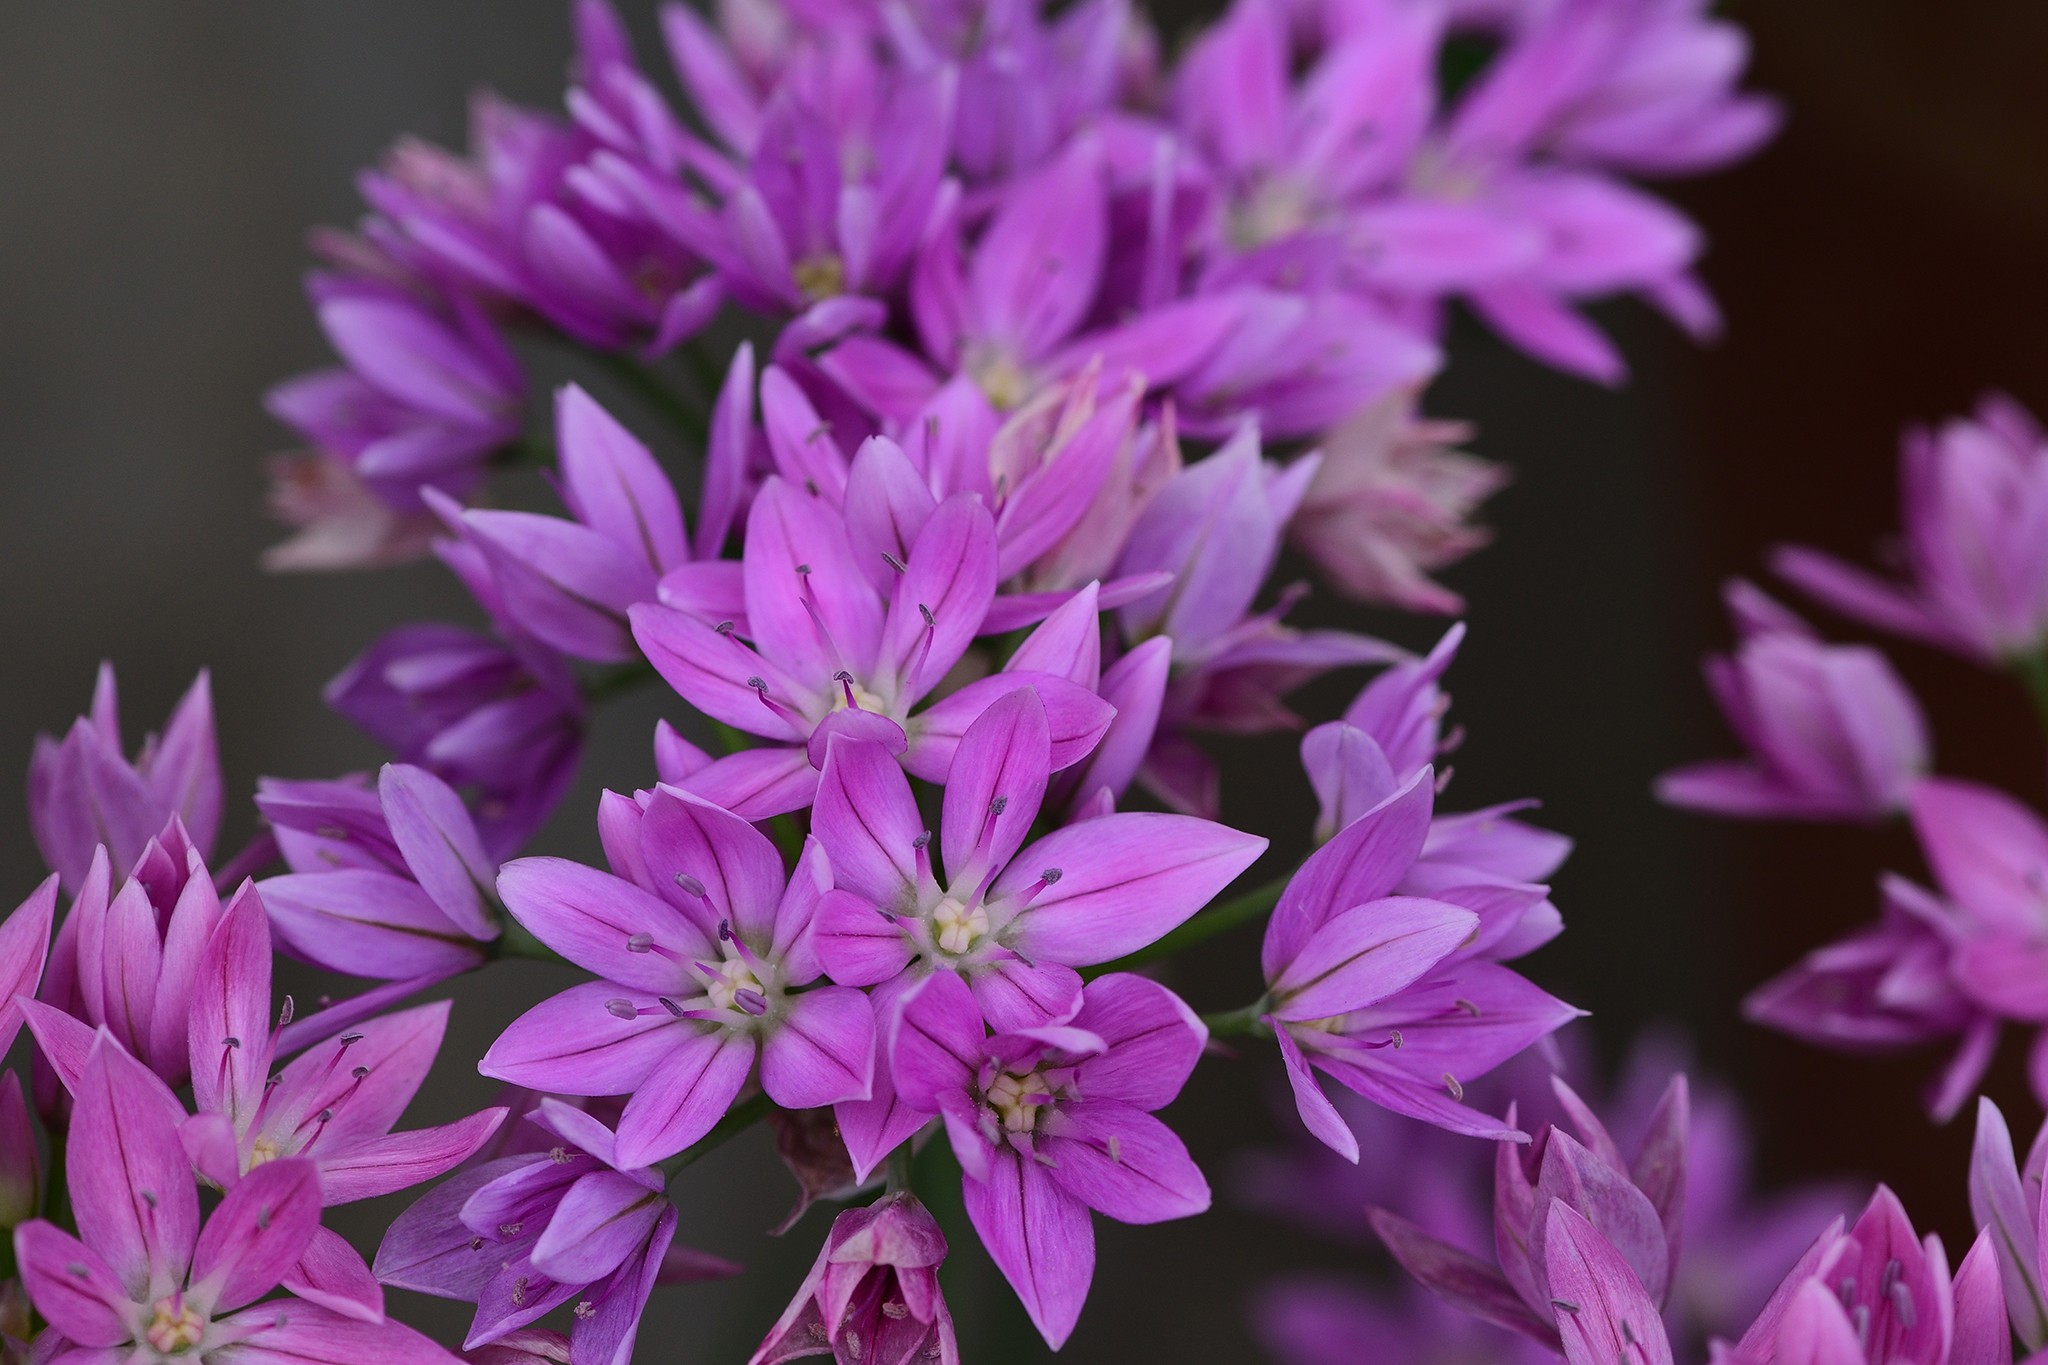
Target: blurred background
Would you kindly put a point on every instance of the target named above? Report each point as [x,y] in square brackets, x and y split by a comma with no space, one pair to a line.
[1881,264]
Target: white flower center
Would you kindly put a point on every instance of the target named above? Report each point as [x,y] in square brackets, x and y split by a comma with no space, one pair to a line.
[733,977]
[1006,382]
[173,1326]
[956,928]
[1017,1099]
[861,698]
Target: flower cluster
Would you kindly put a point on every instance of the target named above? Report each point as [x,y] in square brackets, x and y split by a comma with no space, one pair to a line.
[1053,348]
[1834,734]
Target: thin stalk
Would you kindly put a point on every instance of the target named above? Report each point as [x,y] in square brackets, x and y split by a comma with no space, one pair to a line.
[1239,1023]
[606,683]
[899,1174]
[654,393]
[742,1116]
[1249,908]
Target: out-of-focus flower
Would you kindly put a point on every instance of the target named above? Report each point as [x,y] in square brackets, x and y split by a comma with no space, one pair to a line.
[1051,1122]
[873,1295]
[1973,497]
[521,1236]
[1832,732]
[83,794]
[428,393]
[145,1282]
[340,522]
[705,950]
[24,952]
[391,883]
[1216,527]
[2005,1200]
[568,584]
[1390,503]
[504,722]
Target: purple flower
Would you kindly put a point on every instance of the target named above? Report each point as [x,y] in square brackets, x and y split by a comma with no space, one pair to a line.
[1832,732]
[1216,527]
[1637,1205]
[1887,988]
[428,394]
[128,959]
[2006,1203]
[835,651]
[82,793]
[1394,995]
[1390,504]
[568,583]
[24,951]
[506,723]
[705,951]
[1051,1122]
[145,1282]
[523,1235]
[873,1295]
[334,1103]
[1873,1295]
[529,219]
[1014,919]
[391,883]
[1971,495]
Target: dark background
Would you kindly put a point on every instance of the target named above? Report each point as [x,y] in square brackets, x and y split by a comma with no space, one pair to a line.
[1880,265]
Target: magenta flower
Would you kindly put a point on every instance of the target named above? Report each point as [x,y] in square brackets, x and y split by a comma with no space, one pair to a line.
[1391,503]
[24,952]
[2007,1206]
[145,1282]
[1971,495]
[1885,989]
[391,883]
[1832,732]
[334,1103]
[505,723]
[1013,919]
[523,1235]
[873,1295]
[568,583]
[128,959]
[1873,1295]
[428,394]
[1216,528]
[704,948]
[82,793]
[1393,995]
[1051,1122]
[835,652]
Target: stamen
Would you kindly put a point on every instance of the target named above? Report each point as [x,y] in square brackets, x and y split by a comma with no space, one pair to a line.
[723,628]
[1468,1007]
[753,1002]
[898,565]
[1451,1084]
[691,886]
[621,1009]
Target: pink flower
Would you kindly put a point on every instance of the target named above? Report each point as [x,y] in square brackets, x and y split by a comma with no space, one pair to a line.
[705,951]
[1390,503]
[145,1282]
[1051,1122]
[873,1295]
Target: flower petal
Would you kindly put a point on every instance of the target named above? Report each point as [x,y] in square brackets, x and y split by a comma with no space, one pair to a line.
[1603,1312]
[823,1051]
[1039,1236]
[257,1234]
[1124,1163]
[684,1096]
[131,1183]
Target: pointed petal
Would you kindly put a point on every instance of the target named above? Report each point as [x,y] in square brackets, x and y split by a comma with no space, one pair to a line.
[257,1234]
[683,1096]
[131,1184]
[592,918]
[229,1030]
[1367,953]
[601,1221]
[438,840]
[936,1041]
[1318,1115]
[72,1286]
[867,820]
[1124,880]
[331,1274]
[1124,1163]
[1039,1237]
[738,868]
[365,923]
[1076,717]
[937,606]
[1363,862]
[1151,1040]
[995,786]
[399,1161]
[574,1045]
[823,1051]
[1603,1312]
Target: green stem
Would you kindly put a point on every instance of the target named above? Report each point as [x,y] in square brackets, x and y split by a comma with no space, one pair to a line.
[899,1168]
[55,1193]
[1249,908]
[1239,1023]
[606,683]
[2033,672]
[518,941]
[653,392]
[741,1117]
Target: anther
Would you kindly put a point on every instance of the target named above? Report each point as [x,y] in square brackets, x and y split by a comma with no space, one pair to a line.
[639,943]
[559,1155]
[922,841]
[803,568]
[621,1009]
[1565,1306]
[722,628]
[349,1039]
[231,1042]
[752,1002]
[476,1244]
[690,885]
[509,1229]
[999,805]
[671,1006]
[1050,875]
[898,565]
[584,1310]
[360,1072]
[1451,1084]
[1468,1007]
[926,612]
